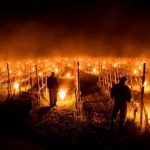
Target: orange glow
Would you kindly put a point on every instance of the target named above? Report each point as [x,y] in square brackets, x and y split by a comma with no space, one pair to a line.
[94,70]
[103,67]
[19,73]
[56,70]
[140,67]
[62,94]
[40,74]
[16,85]
[68,74]
[135,72]
[115,65]
[145,83]
[33,69]
[88,64]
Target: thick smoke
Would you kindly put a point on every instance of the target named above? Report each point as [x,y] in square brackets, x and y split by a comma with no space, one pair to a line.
[115,29]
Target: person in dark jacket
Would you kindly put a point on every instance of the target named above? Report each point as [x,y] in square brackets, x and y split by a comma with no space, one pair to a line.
[121,93]
[52,84]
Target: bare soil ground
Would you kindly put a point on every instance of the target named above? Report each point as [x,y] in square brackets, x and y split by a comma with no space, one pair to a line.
[21,128]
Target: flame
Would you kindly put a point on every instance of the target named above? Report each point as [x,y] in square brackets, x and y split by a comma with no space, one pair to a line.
[19,73]
[140,67]
[33,69]
[145,83]
[16,85]
[103,66]
[56,70]
[40,74]
[4,69]
[94,70]
[89,64]
[115,65]
[68,74]
[135,71]
[62,94]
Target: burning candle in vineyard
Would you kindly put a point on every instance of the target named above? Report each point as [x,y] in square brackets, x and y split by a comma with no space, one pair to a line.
[140,67]
[115,65]
[40,74]
[68,74]
[69,65]
[103,66]
[145,83]
[19,73]
[33,69]
[4,69]
[56,70]
[88,64]
[94,70]
[62,94]
[16,85]
[135,72]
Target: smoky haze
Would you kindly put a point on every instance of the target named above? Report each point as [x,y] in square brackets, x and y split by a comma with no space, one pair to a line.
[98,29]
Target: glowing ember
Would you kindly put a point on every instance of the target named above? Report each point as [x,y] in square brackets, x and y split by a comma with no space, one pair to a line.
[62,94]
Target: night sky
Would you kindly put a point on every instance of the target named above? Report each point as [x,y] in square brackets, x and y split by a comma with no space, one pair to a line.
[71,28]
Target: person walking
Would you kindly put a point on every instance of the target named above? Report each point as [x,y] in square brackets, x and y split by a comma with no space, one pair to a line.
[52,84]
[121,94]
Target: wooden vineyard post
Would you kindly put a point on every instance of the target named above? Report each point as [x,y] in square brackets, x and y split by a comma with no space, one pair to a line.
[99,74]
[78,99]
[25,78]
[115,77]
[8,81]
[19,82]
[31,83]
[37,80]
[131,82]
[42,80]
[142,94]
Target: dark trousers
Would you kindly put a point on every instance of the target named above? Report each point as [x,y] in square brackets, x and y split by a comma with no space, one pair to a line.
[53,97]
[122,108]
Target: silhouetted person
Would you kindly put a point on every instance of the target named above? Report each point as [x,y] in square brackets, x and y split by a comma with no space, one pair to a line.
[52,84]
[121,93]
